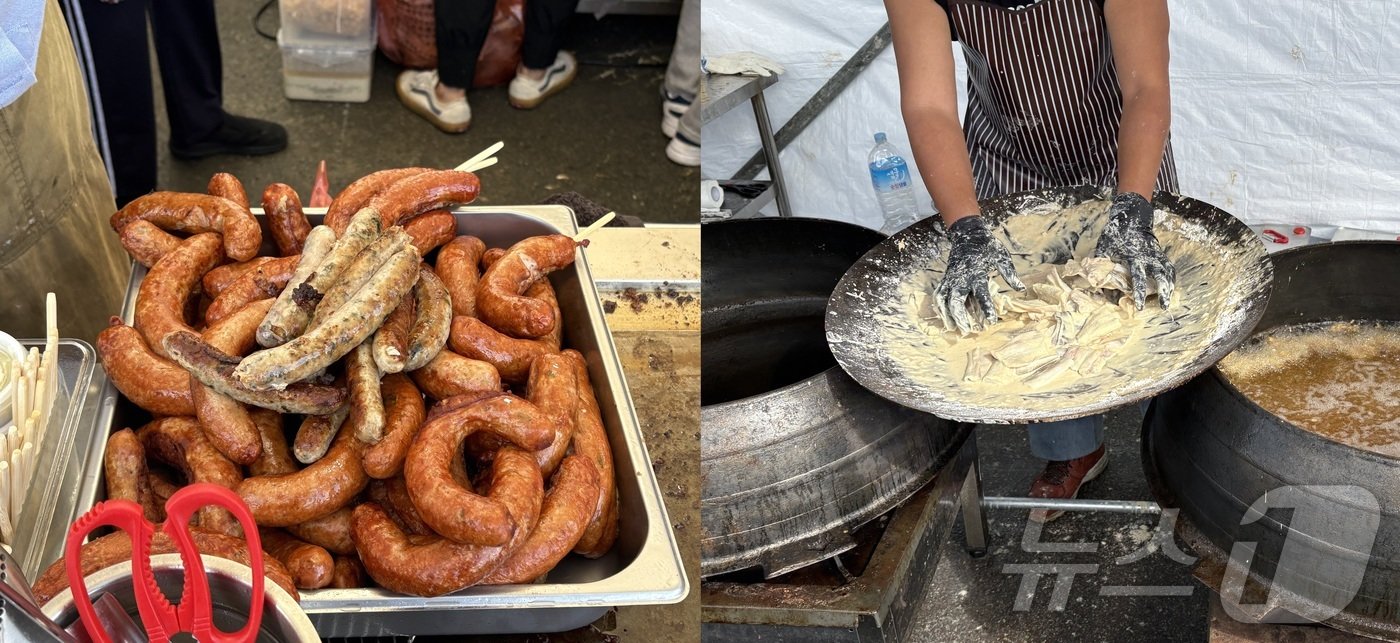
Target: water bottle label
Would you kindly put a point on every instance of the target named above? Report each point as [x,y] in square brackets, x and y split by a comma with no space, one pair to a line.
[888,178]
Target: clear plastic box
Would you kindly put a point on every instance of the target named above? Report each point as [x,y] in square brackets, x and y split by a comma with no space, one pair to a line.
[335,74]
[328,23]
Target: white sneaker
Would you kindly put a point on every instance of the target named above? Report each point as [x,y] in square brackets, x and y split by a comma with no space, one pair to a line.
[528,94]
[417,90]
[683,151]
[672,109]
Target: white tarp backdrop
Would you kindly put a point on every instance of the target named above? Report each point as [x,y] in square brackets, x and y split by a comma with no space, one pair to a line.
[1282,111]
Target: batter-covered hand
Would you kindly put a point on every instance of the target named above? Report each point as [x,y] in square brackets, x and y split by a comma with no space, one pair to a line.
[1128,240]
[975,255]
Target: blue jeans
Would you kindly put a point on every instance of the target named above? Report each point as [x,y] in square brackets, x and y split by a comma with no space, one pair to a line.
[1070,439]
[1066,439]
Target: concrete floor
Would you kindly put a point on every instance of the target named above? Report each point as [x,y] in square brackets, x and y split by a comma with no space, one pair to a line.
[601,137]
[974,600]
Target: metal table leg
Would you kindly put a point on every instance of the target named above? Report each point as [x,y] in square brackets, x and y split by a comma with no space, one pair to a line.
[770,150]
[974,519]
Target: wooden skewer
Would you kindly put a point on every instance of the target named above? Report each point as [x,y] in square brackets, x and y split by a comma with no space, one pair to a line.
[16,481]
[5,493]
[484,164]
[593,227]
[472,164]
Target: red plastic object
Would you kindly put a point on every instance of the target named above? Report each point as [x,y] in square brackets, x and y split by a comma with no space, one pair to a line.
[320,188]
[161,619]
[1275,236]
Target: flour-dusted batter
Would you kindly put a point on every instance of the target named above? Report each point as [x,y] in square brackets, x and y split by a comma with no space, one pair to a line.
[1124,353]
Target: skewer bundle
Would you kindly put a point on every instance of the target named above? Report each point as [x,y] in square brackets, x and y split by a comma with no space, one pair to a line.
[35,381]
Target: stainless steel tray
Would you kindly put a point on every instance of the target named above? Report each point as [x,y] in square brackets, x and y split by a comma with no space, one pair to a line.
[644,567]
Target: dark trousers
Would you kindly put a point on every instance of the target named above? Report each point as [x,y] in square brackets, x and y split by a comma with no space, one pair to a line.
[191,73]
[462,26]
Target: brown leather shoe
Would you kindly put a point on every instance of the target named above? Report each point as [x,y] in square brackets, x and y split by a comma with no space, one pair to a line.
[1063,478]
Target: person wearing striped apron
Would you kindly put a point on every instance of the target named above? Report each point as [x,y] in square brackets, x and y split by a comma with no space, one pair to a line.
[1060,92]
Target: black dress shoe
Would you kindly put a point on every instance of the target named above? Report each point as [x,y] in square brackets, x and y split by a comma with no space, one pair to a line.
[238,135]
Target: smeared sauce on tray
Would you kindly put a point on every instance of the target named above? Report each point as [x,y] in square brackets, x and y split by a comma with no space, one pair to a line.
[1338,380]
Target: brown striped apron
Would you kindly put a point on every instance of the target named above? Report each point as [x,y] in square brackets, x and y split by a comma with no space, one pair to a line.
[1043,97]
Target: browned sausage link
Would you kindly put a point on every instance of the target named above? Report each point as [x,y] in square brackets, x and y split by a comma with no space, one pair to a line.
[229,187]
[366,401]
[160,303]
[357,195]
[319,489]
[310,353]
[430,230]
[348,574]
[311,566]
[554,388]
[434,319]
[196,213]
[512,357]
[457,266]
[450,510]
[567,509]
[180,443]
[390,343]
[458,401]
[286,313]
[161,488]
[316,434]
[147,243]
[501,300]
[275,457]
[433,190]
[291,314]
[226,422]
[215,369]
[147,379]
[115,548]
[401,505]
[285,218]
[491,256]
[264,281]
[403,415]
[431,566]
[591,441]
[124,468]
[220,278]
[358,273]
[331,531]
[405,515]
[451,374]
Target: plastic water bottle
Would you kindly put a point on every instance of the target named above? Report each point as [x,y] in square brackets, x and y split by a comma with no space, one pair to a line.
[893,188]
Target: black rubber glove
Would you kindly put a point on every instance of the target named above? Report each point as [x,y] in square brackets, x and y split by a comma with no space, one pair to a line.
[975,254]
[1128,240]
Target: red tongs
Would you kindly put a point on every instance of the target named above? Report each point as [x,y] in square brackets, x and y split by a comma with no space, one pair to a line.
[161,619]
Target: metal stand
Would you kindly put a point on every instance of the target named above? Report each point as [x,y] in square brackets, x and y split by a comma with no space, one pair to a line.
[975,519]
[720,94]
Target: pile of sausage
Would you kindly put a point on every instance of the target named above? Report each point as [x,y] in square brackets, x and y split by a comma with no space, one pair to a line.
[442,436]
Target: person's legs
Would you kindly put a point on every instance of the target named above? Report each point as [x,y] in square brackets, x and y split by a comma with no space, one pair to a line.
[1066,439]
[544,30]
[186,37]
[461,27]
[544,70]
[1076,454]
[122,95]
[682,82]
[440,95]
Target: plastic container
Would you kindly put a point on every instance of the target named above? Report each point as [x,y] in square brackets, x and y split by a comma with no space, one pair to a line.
[893,189]
[334,74]
[344,24]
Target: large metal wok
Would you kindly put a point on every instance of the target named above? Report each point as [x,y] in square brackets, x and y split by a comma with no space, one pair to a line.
[871,325]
